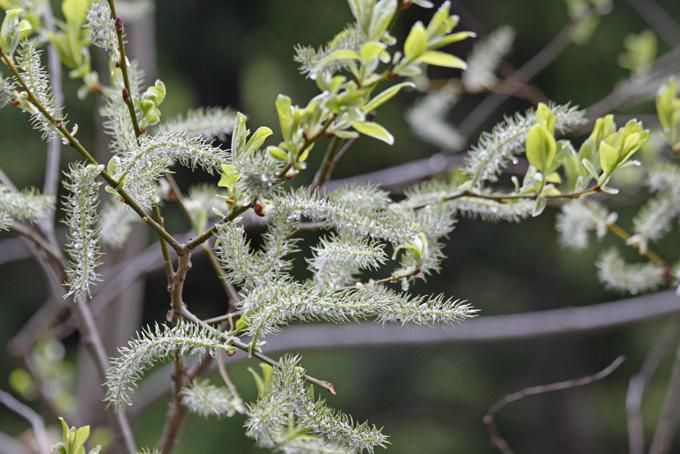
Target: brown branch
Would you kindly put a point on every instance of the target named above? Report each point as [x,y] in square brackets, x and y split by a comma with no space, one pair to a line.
[123,65]
[638,384]
[177,411]
[670,413]
[336,149]
[489,419]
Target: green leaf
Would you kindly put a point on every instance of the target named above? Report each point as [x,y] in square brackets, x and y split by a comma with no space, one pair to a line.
[665,104]
[423,3]
[450,39]
[437,58]
[256,140]
[277,153]
[384,96]
[285,113]
[340,54]
[546,117]
[370,51]
[81,436]
[416,42]
[541,147]
[75,11]
[383,13]
[374,130]
[608,157]
[229,177]
[239,134]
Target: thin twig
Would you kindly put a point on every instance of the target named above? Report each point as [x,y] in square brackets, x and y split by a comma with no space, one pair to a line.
[52,166]
[670,413]
[650,254]
[328,386]
[489,419]
[513,83]
[123,65]
[29,415]
[75,143]
[326,170]
[227,381]
[638,384]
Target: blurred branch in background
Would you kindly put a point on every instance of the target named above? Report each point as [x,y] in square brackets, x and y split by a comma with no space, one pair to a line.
[638,385]
[485,330]
[659,19]
[667,426]
[489,419]
[32,417]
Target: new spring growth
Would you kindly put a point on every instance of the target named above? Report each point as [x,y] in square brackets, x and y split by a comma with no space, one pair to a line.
[14,28]
[152,98]
[668,110]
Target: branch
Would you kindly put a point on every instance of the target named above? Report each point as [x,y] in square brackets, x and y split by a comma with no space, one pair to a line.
[659,19]
[13,250]
[513,84]
[52,167]
[29,415]
[123,65]
[638,384]
[177,411]
[670,413]
[489,419]
[400,176]
[638,86]
[491,329]
[75,143]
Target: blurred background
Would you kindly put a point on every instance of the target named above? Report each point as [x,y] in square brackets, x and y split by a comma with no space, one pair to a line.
[429,399]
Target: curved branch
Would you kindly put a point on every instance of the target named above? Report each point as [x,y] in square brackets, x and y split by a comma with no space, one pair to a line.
[29,415]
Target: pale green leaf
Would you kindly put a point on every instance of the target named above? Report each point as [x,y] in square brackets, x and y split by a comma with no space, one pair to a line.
[416,42]
[384,96]
[608,157]
[257,139]
[229,177]
[374,130]
[540,147]
[437,58]
[75,11]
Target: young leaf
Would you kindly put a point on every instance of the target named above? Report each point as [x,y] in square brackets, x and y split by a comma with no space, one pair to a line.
[540,147]
[416,42]
[608,157]
[442,59]
[373,130]
[384,96]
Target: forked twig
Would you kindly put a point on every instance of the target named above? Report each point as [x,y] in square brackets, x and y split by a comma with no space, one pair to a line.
[489,419]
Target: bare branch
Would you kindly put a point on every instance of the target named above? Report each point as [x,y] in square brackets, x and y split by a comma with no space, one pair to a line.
[482,330]
[12,250]
[659,19]
[637,386]
[489,419]
[52,167]
[29,415]
[670,413]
